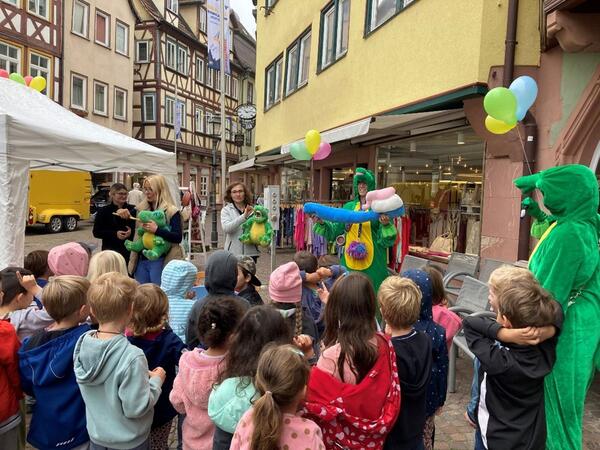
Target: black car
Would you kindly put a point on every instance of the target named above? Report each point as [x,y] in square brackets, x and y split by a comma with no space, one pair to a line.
[99,199]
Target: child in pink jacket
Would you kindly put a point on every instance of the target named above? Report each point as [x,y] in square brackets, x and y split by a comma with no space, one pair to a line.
[199,370]
[441,314]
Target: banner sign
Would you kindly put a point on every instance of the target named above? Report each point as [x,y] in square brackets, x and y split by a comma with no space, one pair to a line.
[213,8]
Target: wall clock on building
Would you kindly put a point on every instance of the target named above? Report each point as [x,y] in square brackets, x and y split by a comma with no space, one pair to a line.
[246,112]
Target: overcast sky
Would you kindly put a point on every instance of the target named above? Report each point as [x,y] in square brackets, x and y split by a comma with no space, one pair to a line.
[244,9]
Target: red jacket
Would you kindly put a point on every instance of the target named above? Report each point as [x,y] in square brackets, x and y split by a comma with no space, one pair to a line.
[361,415]
[10,386]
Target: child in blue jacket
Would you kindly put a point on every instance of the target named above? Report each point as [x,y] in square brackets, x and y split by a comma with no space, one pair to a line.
[46,368]
[436,393]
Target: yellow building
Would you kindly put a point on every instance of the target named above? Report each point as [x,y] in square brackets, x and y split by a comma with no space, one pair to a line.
[395,86]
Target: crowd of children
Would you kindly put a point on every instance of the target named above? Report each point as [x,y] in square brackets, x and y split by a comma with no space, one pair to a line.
[112,364]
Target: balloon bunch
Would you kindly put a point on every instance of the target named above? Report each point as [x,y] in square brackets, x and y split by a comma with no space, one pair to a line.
[38,83]
[505,107]
[311,148]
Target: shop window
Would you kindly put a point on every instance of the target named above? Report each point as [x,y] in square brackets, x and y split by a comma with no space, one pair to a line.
[149,107]
[121,38]
[380,11]
[78,92]
[142,51]
[81,12]
[120,102]
[273,82]
[39,66]
[100,98]
[335,21]
[38,7]
[10,58]
[102,29]
[297,63]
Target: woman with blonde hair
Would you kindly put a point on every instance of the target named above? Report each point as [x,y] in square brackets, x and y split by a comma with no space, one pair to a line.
[157,196]
[104,262]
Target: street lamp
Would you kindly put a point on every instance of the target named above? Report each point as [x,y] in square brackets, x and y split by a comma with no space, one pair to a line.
[216,136]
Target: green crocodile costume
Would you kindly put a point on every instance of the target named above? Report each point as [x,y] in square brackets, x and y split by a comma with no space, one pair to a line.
[377,238]
[151,245]
[566,261]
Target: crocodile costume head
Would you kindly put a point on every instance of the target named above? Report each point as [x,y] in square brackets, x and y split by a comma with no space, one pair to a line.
[570,192]
[363,176]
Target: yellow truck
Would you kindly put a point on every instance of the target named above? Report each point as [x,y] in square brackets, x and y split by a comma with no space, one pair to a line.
[59,199]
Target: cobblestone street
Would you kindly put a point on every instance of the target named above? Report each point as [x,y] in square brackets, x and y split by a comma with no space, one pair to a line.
[452,431]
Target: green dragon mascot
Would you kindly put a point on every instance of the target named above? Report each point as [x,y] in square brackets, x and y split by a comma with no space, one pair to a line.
[566,261]
[257,230]
[373,237]
[151,245]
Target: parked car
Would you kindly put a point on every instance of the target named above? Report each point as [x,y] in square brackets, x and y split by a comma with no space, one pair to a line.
[100,198]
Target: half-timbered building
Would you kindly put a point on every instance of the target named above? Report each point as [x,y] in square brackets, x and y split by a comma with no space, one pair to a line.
[31,40]
[171,65]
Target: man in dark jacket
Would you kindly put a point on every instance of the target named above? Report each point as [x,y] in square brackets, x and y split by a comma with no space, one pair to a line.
[112,229]
[220,280]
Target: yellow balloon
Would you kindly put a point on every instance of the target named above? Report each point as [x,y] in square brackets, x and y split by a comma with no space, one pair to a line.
[497,126]
[312,141]
[38,83]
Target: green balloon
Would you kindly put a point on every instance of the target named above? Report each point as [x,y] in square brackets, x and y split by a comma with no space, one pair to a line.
[17,77]
[501,104]
[300,152]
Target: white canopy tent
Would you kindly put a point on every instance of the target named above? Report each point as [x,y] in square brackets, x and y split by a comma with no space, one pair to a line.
[37,133]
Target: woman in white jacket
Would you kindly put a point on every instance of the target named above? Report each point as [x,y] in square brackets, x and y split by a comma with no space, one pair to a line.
[233,215]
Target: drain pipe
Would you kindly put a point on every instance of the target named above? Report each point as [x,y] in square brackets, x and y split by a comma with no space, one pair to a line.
[529,122]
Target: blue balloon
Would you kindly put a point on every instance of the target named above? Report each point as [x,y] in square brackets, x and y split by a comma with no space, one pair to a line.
[525,89]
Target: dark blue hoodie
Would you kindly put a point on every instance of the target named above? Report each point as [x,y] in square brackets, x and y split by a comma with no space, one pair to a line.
[163,351]
[436,394]
[58,420]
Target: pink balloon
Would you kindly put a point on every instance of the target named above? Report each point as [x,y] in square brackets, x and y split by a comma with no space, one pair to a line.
[323,152]
[28,79]
[3,73]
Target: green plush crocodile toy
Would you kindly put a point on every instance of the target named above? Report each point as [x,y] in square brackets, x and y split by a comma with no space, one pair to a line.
[566,261]
[366,244]
[257,230]
[151,245]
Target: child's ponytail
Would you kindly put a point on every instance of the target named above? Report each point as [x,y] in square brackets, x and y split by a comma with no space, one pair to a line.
[281,376]
[267,423]
[298,317]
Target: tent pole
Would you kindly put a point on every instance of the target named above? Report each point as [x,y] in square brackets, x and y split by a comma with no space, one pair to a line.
[224,55]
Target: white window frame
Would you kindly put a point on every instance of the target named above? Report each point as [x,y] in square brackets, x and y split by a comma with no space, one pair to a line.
[199,120]
[199,75]
[296,63]
[227,84]
[125,27]
[273,78]
[36,8]
[123,91]
[210,76]
[8,60]
[249,92]
[38,70]
[145,117]
[107,17]
[173,6]
[137,51]
[171,54]
[372,24]
[203,191]
[330,47]
[86,19]
[203,20]
[234,87]
[82,107]
[170,110]
[182,53]
[96,110]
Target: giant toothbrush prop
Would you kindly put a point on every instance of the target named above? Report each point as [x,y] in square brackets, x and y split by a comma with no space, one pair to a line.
[566,261]
[366,237]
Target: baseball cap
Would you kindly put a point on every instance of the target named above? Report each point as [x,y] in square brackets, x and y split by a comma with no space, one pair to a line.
[248,264]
